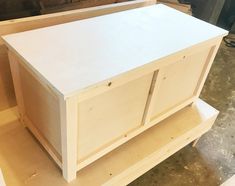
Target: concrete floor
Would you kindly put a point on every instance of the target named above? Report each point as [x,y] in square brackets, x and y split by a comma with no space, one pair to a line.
[212,161]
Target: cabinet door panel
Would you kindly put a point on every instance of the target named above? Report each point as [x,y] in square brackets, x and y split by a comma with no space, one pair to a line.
[109,116]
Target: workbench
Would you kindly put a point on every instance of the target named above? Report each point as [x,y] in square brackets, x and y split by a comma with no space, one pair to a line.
[86,87]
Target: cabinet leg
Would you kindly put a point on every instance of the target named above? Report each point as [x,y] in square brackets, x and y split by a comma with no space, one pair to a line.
[195,142]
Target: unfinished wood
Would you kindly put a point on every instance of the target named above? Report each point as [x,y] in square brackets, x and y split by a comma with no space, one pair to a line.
[9,115]
[17,83]
[178,6]
[206,69]
[102,65]
[107,114]
[7,96]
[119,167]
[44,141]
[78,5]
[44,113]
[178,81]
[156,83]
[69,136]
[42,117]
[167,113]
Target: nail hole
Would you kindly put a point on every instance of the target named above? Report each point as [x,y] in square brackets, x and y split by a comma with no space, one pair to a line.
[110,174]
[109,84]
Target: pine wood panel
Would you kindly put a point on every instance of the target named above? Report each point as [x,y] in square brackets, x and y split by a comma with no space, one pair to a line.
[44,112]
[105,119]
[178,82]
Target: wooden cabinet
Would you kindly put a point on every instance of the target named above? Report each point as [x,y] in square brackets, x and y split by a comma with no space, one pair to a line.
[86,87]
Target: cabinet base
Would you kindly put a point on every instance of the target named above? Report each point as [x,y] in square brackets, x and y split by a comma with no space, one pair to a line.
[119,167]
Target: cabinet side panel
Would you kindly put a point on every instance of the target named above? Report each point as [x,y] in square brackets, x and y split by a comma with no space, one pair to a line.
[41,108]
[111,115]
[7,96]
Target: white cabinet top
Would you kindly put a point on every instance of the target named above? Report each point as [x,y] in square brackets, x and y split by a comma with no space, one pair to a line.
[76,55]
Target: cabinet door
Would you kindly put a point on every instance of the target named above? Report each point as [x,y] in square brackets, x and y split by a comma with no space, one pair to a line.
[109,116]
[178,82]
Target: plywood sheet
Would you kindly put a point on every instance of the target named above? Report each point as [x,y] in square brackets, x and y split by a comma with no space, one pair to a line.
[111,115]
[7,95]
[41,108]
[178,81]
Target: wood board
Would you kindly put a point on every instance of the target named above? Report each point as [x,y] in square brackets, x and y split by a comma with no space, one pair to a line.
[119,167]
[178,6]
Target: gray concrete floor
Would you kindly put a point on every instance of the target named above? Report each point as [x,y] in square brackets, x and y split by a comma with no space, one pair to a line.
[212,161]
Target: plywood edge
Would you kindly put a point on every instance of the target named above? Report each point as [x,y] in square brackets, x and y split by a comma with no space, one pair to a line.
[199,117]
[9,115]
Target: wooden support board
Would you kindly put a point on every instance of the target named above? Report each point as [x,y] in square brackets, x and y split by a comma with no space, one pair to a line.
[24,162]
[77,5]
[7,96]
[178,6]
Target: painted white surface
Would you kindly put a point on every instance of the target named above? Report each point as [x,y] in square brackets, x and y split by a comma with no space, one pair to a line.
[76,55]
